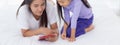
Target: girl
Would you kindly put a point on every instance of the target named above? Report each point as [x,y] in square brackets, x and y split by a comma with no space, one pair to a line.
[78,18]
[33,19]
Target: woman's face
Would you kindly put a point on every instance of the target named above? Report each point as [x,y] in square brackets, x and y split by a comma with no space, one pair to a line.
[37,7]
[64,3]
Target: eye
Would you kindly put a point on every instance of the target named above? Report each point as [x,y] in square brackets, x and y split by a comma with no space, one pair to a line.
[61,1]
[42,4]
[36,5]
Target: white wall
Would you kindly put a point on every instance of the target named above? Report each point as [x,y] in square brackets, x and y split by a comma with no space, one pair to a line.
[114,5]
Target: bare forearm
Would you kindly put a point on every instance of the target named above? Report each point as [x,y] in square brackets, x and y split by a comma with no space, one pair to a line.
[65,27]
[73,31]
[29,33]
[54,27]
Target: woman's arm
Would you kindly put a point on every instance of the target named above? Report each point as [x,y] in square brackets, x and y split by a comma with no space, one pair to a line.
[42,30]
[54,28]
[29,33]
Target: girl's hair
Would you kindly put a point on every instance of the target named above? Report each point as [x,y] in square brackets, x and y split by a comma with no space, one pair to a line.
[60,13]
[85,2]
[43,21]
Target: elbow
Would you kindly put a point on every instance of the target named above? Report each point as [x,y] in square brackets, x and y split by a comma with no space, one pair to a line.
[54,26]
[26,34]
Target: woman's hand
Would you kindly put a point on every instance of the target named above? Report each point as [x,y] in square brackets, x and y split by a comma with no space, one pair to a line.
[45,31]
[51,34]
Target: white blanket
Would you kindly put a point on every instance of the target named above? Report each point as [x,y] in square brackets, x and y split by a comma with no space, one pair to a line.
[106,32]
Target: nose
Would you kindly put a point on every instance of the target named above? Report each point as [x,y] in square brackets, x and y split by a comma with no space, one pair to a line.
[40,9]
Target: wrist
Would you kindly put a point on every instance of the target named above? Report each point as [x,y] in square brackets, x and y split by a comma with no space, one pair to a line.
[73,32]
[40,30]
[64,31]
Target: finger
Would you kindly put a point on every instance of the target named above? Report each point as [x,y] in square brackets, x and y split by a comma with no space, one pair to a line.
[69,39]
[73,40]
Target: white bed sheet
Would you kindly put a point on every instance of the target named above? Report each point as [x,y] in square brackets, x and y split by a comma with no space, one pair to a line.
[106,32]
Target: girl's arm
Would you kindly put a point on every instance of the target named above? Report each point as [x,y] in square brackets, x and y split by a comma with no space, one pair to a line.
[67,19]
[72,38]
[73,31]
[76,12]
[63,36]
[65,27]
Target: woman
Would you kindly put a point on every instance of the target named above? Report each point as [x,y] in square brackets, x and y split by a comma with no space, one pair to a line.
[33,19]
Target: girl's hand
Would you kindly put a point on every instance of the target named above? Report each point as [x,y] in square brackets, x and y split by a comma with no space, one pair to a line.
[63,36]
[71,39]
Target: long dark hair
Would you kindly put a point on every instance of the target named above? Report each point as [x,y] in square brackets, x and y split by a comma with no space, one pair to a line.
[43,21]
[85,2]
[60,13]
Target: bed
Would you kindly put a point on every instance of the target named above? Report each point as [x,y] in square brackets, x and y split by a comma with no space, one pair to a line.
[106,32]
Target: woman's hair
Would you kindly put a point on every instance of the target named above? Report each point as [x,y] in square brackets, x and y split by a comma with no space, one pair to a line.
[43,20]
[85,2]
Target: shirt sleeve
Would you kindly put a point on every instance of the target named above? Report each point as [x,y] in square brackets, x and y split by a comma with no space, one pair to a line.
[51,10]
[76,12]
[66,15]
[23,18]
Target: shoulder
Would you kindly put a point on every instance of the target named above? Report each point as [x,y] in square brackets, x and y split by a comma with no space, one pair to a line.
[52,2]
[76,2]
[24,9]
[23,12]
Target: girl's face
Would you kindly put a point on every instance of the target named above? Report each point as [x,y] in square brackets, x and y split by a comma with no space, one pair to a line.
[37,7]
[64,3]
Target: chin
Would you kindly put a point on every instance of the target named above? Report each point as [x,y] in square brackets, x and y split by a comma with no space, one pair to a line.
[65,6]
[39,14]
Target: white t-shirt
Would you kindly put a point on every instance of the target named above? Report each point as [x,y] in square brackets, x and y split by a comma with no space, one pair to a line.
[27,21]
[51,10]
